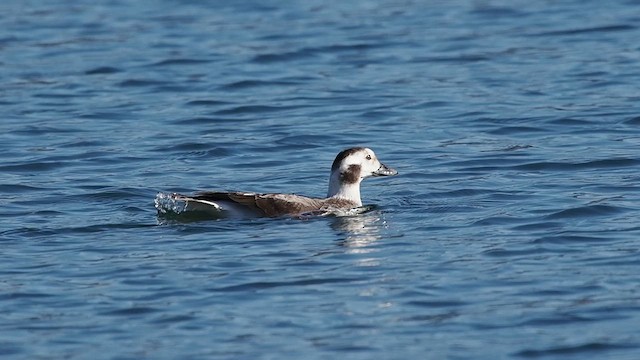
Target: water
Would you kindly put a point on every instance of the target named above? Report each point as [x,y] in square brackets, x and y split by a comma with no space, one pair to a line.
[511,232]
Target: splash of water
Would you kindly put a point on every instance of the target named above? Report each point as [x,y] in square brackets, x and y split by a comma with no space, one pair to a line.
[167,203]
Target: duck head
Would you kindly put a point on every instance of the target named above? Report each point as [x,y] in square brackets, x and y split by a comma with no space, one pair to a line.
[350,167]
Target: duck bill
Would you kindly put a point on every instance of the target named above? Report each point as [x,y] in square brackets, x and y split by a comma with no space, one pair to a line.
[385,171]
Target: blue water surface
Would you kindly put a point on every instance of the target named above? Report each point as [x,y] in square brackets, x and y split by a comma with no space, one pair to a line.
[511,232]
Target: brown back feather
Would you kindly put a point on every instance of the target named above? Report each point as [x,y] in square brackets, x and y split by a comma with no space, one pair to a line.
[273,205]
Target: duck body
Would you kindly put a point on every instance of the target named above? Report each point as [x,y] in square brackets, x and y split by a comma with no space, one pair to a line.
[238,204]
[349,168]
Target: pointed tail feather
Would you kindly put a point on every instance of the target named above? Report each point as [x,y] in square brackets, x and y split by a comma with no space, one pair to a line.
[194,203]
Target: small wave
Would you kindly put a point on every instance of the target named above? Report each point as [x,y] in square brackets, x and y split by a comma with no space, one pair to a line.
[280,57]
[567,166]
[19,188]
[586,349]
[109,194]
[253,109]
[141,83]
[180,62]
[37,166]
[610,28]
[132,311]
[586,211]
[195,149]
[246,84]
[569,239]
[633,121]
[462,58]
[265,285]
[508,130]
[310,52]
[102,70]
[207,103]
[516,253]
[570,122]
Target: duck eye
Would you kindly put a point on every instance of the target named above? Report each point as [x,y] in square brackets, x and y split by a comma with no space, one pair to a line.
[368,157]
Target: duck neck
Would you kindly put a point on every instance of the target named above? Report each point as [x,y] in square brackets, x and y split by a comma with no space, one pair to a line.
[343,190]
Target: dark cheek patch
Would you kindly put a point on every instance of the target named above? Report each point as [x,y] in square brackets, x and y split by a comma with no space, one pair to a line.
[351,175]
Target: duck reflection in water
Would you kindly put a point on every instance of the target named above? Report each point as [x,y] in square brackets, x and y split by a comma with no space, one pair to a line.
[360,231]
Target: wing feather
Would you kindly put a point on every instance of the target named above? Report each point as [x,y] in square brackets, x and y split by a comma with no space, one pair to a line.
[272,205]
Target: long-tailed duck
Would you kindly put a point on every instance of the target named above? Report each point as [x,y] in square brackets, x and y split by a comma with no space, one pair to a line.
[349,168]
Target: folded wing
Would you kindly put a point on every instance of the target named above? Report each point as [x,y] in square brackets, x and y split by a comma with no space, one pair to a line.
[264,204]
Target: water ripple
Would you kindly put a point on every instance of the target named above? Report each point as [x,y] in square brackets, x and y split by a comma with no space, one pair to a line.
[588,211]
[172,62]
[103,70]
[587,30]
[584,349]
[255,286]
[254,109]
[570,166]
